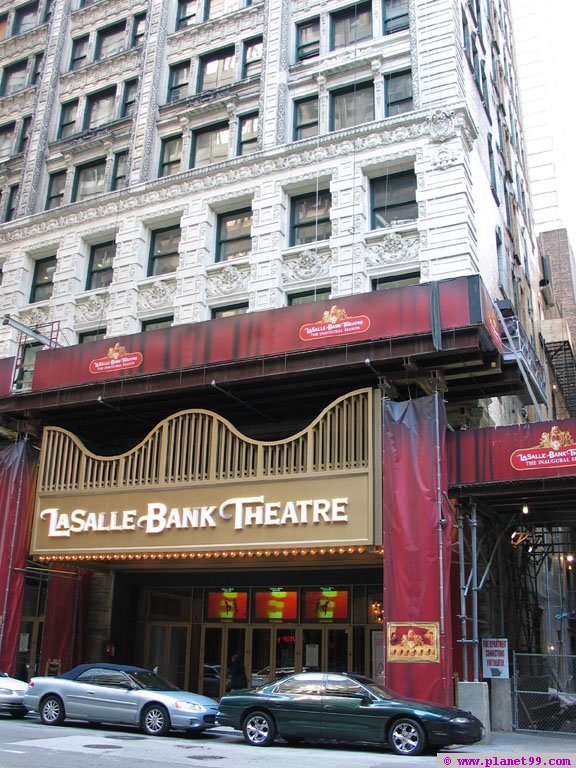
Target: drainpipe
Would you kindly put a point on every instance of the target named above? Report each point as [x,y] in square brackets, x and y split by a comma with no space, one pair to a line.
[475,640]
[463,622]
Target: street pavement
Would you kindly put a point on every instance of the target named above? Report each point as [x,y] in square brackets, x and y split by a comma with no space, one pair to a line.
[79,745]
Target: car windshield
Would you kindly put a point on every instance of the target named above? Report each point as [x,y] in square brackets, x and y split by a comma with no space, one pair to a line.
[377,688]
[150,681]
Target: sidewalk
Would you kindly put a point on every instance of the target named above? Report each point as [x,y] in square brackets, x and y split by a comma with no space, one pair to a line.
[524,742]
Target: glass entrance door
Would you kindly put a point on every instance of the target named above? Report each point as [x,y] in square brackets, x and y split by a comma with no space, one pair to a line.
[219,644]
[167,650]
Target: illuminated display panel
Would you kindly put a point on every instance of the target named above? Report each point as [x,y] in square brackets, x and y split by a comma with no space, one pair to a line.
[275,605]
[227,606]
[325,605]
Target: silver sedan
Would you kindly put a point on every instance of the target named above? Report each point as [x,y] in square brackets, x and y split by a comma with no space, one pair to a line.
[120,694]
[11,695]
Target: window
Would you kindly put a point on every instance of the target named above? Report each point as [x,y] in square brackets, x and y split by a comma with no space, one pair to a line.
[234,240]
[25,18]
[230,311]
[129,98]
[210,145]
[14,78]
[309,297]
[217,70]
[398,89]
[88,336]
[186,15]
[395,16]
[170,156]
[155,325]
[6,140]
[308,39]
[306,118]
[56,186]
[100,108]
[164,251]
[218,8]
[352,25]
[110,41]
[100,266]
[79,57]
[89,180]
[178,80]
[11,202]
[252,64]
[310,218]
[138,29]
[43,279]
[119,169]
[3,25]
[248,134]
[24,134]
[68,119]
[394,199]
[352,106]
[36,68]
[396,281]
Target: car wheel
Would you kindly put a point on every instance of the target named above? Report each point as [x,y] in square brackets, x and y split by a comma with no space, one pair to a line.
[52,710]
[155,720]
[259,729]
[407,737]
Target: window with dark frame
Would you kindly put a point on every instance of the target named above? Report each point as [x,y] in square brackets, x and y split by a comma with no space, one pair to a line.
[229,311]
[14,78]
[3,25]
[217,8]
[252,59]
[396,281]
[306,117]
[310,217]
[398,92]
[178,81]
[6,140]
[308,39]
[87,336]
[110,41]
[100,268]
[24,134]
[308,297]
[351,25]
[393,199]
[43,279]
[36,68]
[216,70]
[157,323]
[100,108]
[396,16]
[68,113]
[89,180]
[186,14]
[210,145]
[11,202]
[119,170]
[353,105]
[129,96]
[56,186]
[79,57]
[248,134]
[138,29]
[164,257]
[25,18]
[234,235]
[170,156]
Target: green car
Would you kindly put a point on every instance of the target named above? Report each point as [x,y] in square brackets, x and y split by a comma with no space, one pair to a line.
[316,706]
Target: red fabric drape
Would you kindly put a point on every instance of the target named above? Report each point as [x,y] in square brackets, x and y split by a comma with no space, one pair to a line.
[416,553]
[61,619]
[18,465]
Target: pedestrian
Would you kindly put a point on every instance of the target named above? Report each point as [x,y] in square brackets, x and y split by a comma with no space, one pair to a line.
[236,674]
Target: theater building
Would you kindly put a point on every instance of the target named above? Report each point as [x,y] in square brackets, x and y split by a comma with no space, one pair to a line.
[261,263]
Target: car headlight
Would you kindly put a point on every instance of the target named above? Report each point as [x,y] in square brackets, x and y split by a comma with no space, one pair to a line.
[6,690]
[189,706]
[460,720]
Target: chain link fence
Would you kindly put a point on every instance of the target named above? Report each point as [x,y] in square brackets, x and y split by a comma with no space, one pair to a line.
[544,696]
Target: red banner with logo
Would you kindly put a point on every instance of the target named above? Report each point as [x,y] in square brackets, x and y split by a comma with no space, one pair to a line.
[417,527]
[18,464]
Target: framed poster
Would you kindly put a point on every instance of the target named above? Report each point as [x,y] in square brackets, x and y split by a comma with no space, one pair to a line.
[275,605]
[413,641]
[224,605]
[325,605]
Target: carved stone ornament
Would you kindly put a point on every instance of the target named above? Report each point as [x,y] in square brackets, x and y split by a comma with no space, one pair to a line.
[393,249]
[228,281]
[158,295]
[442,125]
[445,158]
[307,266]
[91,309]
[35,317]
